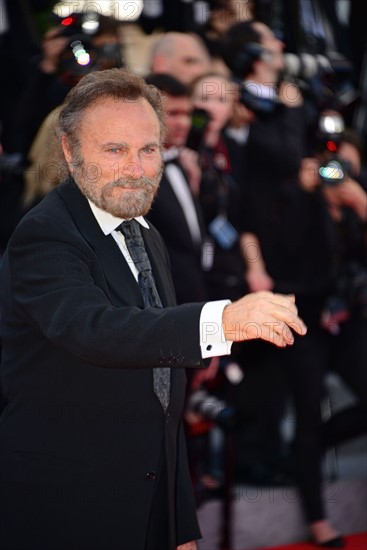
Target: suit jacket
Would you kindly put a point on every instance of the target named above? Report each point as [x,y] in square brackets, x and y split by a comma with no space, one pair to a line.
[82,435]
[185,254]
[274,151]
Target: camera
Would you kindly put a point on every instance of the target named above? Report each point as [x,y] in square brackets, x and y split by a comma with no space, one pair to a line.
[333,170]
[86,24]
[327,80]
[82,55]
[199,121]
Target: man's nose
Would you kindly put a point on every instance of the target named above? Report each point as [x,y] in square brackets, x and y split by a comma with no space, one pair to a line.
[133,169]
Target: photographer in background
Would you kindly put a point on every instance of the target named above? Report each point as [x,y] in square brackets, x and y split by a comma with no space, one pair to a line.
[329,278]
[20,37]
[274,148]
[326,53]
[321,47]
[53,74]
[59,67]
[210,403]
[19,42]
[321,253]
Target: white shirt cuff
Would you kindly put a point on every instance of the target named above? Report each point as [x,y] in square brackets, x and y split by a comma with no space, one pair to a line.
[212,339]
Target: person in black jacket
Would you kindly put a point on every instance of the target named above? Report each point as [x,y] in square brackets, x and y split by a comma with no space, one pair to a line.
[56,71]
[221,187]
[50,77]
[273,150]
[89,456]
[220,194]
[176,211]
[330,282]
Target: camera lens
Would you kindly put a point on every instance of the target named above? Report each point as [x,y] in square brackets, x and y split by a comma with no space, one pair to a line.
[332,173]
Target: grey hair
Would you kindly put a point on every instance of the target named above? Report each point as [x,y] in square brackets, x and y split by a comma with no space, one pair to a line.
[120,84]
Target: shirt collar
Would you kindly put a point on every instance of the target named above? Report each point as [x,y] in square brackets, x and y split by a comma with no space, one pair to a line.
[171,153]
[261,90]
[107,222]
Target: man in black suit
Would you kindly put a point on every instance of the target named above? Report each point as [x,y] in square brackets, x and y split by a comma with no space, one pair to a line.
[176,211]
[90,458]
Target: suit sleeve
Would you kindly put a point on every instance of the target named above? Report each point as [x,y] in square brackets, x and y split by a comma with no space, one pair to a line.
[49,279]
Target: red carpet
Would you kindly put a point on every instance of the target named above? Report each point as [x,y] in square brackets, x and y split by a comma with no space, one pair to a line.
[354,542]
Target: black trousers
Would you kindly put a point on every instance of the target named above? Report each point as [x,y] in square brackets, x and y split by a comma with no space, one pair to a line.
[307,363]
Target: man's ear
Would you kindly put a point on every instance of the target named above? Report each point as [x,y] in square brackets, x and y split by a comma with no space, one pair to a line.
[66,150]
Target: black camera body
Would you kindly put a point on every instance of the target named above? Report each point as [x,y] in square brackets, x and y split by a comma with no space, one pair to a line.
[86,24]
[326,79]
[200,119]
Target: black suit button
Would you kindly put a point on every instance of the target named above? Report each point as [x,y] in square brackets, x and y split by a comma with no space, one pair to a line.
[150,475]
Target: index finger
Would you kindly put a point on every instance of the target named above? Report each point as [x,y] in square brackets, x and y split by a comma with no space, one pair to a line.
[298,326]
[288,313]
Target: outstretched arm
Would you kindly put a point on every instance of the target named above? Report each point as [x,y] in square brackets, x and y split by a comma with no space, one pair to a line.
[263,315]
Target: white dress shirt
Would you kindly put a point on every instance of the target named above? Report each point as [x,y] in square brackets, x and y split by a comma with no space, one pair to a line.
[212,340]
[183,194]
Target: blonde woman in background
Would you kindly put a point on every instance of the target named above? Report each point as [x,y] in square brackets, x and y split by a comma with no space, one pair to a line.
[45,169]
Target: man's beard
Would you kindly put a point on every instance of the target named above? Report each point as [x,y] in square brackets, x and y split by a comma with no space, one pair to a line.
[131,203]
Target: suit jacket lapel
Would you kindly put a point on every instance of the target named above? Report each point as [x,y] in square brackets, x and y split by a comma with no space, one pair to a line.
[120,279]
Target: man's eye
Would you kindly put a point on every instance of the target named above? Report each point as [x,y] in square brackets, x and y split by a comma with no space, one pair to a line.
[114,150]
[149,150]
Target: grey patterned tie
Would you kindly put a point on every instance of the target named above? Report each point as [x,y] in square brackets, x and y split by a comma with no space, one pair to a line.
[135,245]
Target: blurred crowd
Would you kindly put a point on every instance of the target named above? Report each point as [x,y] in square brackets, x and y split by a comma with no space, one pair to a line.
[264,188]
